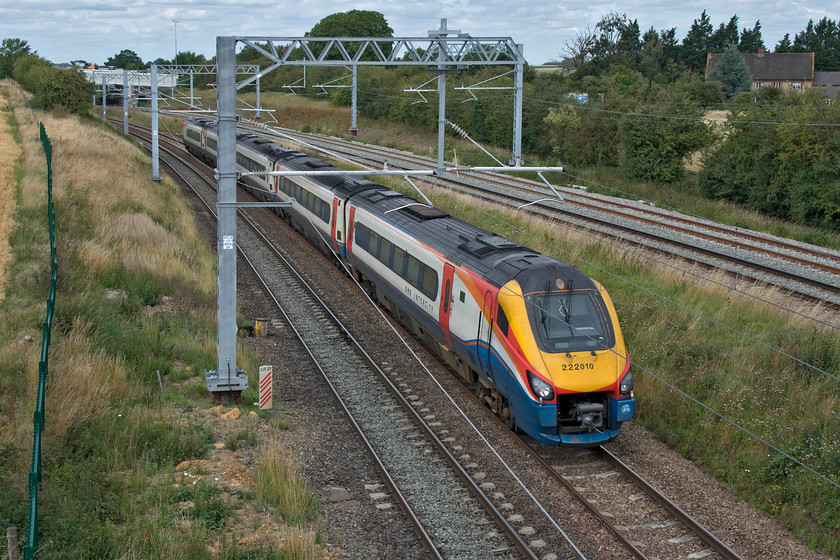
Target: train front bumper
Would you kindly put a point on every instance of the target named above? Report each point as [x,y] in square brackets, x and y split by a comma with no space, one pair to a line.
[620,411]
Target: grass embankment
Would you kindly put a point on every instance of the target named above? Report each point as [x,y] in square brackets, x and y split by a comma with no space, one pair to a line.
[794,407]
[136,296]
[757,386]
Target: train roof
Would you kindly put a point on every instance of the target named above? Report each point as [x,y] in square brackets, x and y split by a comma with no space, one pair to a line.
[494,257]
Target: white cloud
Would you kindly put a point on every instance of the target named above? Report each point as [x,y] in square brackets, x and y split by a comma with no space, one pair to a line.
[96,30]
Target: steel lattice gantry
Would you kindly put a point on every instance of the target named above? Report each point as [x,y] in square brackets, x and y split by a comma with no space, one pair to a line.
[205,69]
[443,52]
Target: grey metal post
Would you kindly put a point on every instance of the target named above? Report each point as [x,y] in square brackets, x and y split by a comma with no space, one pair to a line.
[354,130]
[441,93]
[103,96]
[517,106]
[258,97]
[125,101]
[155,176]
[226,233]
[191,89]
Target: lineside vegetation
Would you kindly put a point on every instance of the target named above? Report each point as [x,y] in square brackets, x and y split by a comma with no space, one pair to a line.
[136,296]
[675,326]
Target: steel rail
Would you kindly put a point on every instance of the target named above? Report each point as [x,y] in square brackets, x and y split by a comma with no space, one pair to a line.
[517,540]
[494,178]
[546,211]
[419,530]
[684,518]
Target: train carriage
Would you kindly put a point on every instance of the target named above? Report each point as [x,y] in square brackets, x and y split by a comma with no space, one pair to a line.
[539,339]
[490,297]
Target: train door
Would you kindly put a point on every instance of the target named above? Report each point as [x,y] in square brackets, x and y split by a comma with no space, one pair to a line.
[349,232]
[334,226]
[446,303]
[277,179]
[485,331]
[203,140]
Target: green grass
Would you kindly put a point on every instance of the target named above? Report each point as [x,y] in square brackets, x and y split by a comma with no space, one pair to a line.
[277,484]
[789,405]
[112,439]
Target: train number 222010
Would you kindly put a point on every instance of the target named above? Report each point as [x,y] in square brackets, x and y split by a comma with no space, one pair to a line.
[577,367]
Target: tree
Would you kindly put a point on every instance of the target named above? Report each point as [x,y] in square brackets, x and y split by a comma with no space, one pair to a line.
[578,51]
[654,148]
[28,70]
[788,171]
[653,55]
[697,43]
[64,87]
[51,86]
[10,50]
[355,23]
[126,59]
[823,39]
[617,36]
[725,35]
[751,40]
[189,57]
[732,72]
[784,46]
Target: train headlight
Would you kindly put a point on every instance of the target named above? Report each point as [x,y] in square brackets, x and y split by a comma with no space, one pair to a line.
[540,388]
[626,385]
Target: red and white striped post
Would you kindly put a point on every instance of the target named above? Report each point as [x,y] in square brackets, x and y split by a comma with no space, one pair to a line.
[266,390]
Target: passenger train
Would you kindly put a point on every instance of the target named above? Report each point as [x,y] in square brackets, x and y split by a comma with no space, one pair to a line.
[538,338]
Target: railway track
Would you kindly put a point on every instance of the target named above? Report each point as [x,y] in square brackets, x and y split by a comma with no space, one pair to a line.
[809,272]
[391,429]
[477,468]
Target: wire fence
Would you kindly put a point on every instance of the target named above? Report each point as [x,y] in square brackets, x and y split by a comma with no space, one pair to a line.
[31,548]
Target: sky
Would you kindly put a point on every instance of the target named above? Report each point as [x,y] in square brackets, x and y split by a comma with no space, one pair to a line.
[94,30]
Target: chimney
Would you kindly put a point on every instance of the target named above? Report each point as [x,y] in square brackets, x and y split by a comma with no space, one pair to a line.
[760,52]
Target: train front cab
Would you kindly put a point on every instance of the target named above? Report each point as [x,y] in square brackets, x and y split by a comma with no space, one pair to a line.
[571,360]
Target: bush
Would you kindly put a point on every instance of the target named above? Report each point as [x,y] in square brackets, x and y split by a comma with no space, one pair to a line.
[64,87]
[53,87]
[788,171]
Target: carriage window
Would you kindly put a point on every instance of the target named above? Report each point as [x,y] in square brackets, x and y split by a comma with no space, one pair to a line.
[362,237]
[446,296]
[398,260]
[385,252]
[430,282]
[398,265]
[325,211]
[412,272]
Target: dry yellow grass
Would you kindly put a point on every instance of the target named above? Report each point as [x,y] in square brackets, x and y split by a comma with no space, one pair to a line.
[278,483]
[9,155]
[84,382]
[141,224]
